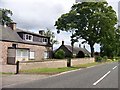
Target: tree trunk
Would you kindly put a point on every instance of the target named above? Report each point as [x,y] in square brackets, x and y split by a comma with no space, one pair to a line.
[52,54]
[92,50]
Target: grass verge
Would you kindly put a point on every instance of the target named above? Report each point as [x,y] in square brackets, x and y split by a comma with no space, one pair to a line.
[6,73]
[48,70]
[51,71]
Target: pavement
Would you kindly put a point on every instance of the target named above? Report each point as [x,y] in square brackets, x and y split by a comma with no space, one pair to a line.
[101,76]
[14,79]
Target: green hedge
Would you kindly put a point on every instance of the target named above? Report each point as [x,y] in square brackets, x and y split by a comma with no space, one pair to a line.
[60,54]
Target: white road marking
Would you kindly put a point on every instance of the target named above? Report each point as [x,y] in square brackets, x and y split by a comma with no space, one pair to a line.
[115,67]
[101,78]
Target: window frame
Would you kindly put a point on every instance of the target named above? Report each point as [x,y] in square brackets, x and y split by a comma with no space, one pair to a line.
[27,37]
[30,55]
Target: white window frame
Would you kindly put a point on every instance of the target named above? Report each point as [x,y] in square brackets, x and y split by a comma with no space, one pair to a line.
[46,54]
[28,37]
[33,55]
[41,40]
[21,53]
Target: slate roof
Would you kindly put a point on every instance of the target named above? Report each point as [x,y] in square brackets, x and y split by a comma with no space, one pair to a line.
[77,49]
[7,34]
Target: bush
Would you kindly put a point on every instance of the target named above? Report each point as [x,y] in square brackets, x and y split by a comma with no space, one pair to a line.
[105,58]
[60,54]
[98,59]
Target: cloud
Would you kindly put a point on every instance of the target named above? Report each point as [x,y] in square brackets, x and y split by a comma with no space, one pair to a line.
[37,14]
[41,14]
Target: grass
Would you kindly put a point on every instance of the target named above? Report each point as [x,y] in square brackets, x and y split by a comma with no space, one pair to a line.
[6,73]
[48,70]
[87,65]
[57,70]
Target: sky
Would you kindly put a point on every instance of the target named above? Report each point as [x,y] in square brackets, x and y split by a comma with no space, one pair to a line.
[34,15]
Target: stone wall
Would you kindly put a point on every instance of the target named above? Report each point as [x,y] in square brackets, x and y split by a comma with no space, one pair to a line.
[45,64]
[55,63]
[82,61]
[39,50]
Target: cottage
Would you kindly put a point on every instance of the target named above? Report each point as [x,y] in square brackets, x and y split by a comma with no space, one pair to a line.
[20,45]
[77,51]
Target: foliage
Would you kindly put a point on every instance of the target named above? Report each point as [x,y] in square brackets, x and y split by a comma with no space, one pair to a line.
[105,58]
[98,59]
[92,21]
[60,54]
[110,46]
[51,34]
[5,19]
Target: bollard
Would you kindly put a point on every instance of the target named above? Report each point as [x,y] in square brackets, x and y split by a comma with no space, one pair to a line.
[69,62]
[17,67]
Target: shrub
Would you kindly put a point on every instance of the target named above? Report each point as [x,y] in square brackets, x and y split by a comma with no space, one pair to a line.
[60,54]
[105,58]
[98,59]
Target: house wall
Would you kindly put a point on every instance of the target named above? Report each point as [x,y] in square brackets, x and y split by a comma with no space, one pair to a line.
[39,50]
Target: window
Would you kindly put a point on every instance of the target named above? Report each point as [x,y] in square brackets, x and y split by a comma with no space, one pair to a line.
[22,53]
[32,55]
[46,54]
[45,40]
[28,37]
[41,40]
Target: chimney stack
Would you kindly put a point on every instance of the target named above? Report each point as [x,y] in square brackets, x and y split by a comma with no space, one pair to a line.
[62,42]
[41,32]
[84,47]
[80,45]
[12,25]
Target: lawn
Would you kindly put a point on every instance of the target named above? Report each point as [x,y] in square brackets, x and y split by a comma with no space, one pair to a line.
[48,70]
[57,70]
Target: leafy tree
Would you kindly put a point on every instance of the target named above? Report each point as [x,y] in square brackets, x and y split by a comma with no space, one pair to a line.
[5,19]
[51,34]
[110,45]
[60,54]
[91,20]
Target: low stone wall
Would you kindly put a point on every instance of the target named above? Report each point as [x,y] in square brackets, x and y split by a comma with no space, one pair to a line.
[82,61]
[8,68]
[45,64]
[54,64]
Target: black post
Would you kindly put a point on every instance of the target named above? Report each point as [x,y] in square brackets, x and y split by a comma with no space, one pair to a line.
[69,62]
[17,67]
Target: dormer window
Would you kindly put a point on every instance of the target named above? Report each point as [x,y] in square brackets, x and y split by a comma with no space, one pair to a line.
[43,40]
[28,37]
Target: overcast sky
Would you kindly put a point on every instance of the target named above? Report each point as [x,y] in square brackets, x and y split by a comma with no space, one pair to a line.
[34,15]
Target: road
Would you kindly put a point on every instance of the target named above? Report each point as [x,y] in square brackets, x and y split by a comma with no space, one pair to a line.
[101,76]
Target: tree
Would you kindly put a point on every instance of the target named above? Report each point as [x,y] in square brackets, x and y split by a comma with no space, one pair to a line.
[5,19]
[50,34]
[110,45]
[91,20]
[60,54]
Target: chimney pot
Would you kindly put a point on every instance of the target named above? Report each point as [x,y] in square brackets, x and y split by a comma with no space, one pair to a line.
[62,42]
[41,32]
[80,45]
[12,25]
